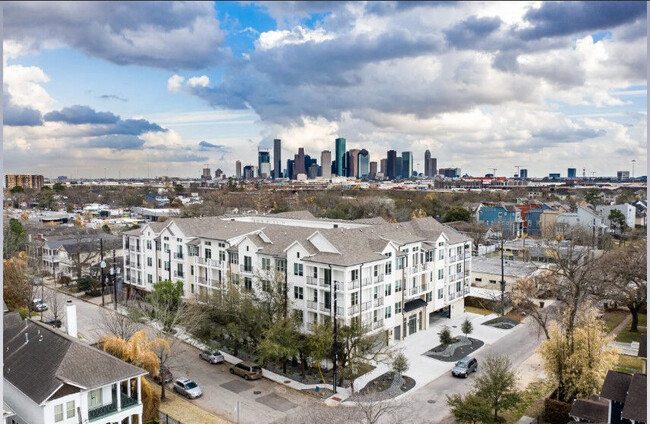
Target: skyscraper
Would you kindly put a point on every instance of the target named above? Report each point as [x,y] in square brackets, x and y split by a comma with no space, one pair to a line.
[391,164]
[571,173]
[398,167]
[277,158]
[382,166]
[290,163]
[433,167]
[427,164]
[326,164]
[353,162]
[263,163]
[299,163]
[363,167]
[207,174]
[341,165]
[373,170]
[238,169]
[523,173]
[407,164]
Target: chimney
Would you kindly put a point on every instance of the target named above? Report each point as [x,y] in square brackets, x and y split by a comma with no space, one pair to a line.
[71,319]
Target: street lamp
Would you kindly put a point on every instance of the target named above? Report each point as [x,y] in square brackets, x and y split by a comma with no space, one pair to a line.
[102,265]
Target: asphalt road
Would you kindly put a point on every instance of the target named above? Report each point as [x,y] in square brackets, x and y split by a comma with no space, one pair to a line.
[221,390]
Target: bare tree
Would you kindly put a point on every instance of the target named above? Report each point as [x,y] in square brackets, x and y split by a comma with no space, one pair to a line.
[374,408]
[523,294]
[117,324]
[55,305]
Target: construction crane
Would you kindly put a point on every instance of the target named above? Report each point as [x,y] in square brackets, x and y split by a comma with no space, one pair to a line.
[494,172]
[518,168]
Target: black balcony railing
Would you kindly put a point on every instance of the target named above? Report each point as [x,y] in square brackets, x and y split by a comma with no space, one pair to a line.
[102,411]
[128,401]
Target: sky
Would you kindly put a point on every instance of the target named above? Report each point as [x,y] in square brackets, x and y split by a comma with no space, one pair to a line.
[137,89]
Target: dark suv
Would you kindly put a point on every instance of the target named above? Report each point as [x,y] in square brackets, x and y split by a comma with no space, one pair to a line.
[164,375]
[464,367]
[246,370]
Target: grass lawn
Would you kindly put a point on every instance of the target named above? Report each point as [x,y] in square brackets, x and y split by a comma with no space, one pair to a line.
[629,364]
[626,336]
[480,311]
[184,410]
[614,318]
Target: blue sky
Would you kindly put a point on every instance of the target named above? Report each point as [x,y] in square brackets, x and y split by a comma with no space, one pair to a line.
[481,85]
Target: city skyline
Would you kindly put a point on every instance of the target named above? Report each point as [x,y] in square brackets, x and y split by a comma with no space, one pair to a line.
[93,86]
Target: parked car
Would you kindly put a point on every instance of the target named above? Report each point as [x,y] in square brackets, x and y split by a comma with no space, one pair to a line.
[213,357]
[246,370]
[163,375]
[464,367]
[39,305]
[53,322]
[187,388]
[37,281]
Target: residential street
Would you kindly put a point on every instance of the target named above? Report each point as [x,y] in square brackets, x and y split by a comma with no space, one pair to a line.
[221,390]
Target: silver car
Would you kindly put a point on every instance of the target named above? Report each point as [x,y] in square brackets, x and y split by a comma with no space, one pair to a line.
[39,305]
[464,367]
[213,357]
[187,388]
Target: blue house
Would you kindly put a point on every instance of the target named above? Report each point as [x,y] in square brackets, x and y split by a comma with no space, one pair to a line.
[502,216]
[533,218]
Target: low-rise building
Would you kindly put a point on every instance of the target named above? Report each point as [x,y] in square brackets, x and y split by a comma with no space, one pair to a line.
[51,377]
[507,217]
[486,272]
[584,217]
[628,211]
[394,277]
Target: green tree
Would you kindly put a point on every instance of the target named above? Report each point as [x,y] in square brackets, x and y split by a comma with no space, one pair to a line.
[319,343]
[17,189]
[457,214]
[594,197]
[445,336]
[617,221]
[497,384]
[400,364]
[280,343]
[106,228]
[15,238]
[470,409]
[58,187]
[45,199]
[467,327]
[166,300]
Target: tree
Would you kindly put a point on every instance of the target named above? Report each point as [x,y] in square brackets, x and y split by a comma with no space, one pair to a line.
[18,292]
[319,343]
[400,364]
[58,187]
[118,325]
[467,327]
[165,297]
[497,384]
[523,296]
[470,409]
[88,284]
[593,196]
[106,228]
[280,343]
[623,279]
[55,304]
[457,214]
[617,221]
[46,199]
[17,189]
[445,336]
[578,362]
[372,407]
[15,238]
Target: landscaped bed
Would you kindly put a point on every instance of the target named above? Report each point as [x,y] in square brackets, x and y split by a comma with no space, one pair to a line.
[455,351]
[502,323]
[382,387]
[322,393]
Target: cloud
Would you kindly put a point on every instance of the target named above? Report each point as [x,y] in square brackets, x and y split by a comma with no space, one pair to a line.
[553,19]
[204,145]
[472,30]
[15,115]
[170,35]
[202,81]
[115,142]
[77,114]
[175,83]
[112,97]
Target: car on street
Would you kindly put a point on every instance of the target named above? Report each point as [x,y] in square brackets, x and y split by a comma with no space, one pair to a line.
[53,322]
[37,281]
[39,305]
[246,370]
[187,388]
[213,357]
[164,375]
[465,367]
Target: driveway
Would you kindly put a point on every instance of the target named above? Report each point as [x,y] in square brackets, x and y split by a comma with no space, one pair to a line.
[221,390]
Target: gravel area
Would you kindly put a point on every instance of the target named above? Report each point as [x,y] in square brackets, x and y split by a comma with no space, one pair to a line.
[386,386]
[460,349]
[502,322]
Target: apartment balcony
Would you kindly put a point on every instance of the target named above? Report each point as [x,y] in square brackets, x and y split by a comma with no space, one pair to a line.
[51,258]
[352,285]
[339,311]
[366,305]
[136,266]
[310,326]
[324,308]
[111,408]
[353,310]
[179,274]
[178,255]
[466,289]
[324,283]
[468,255]
[453,258]
[246,269]
[377,324]
[378,302]
[366,281]
[312,281]
[312,305]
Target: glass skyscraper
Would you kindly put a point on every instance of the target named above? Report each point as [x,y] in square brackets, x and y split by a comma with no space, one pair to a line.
[340,160]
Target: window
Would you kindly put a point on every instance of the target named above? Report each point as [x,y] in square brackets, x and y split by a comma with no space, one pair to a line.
[398,286]
[297,292]
[58,413]
[493,281]
[315,272]
[191,269]
[478,280]
[148,244]
[387,290]
[179,240]
[389,268]
[159,263]
[70,410]
[440,293]
[94,398]
[248,283]
[428,256]
[315,296]
[222,256]
[297,269]
[441,243]
[374,315]
[429,296]
[208,253]
[166,247]
[355,298]
[266,286]
[248,264]
[280,265]
[234,258]
[399,263]
[375,292]
[459,250]
[441,254]
[398,307]
[375,270]
[354,275]
[158,245]
[298,255]
[222,244]
[266,264]
[149,278]
[208,243]
[441,274]
[166,266]
[459,267]
[387,312]
[458,286]
[149,262]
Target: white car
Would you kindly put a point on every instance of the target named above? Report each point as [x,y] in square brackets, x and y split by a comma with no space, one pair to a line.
[39,305]
[187,388]
[212,357]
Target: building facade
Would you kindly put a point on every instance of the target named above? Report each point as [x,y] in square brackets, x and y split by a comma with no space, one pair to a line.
[395,278]
[506,218]
[326,164]
[277,158]
[264,163]
[391,165]
[353,163]
[340,162]
[363,164]
[25,181]
[407,165]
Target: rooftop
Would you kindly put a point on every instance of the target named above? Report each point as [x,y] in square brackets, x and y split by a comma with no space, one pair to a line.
[511,268]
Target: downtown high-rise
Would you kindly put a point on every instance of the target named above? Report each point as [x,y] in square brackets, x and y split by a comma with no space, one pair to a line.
[340,160]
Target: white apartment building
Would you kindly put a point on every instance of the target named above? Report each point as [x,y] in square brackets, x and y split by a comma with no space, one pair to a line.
[395,277]
[628,211]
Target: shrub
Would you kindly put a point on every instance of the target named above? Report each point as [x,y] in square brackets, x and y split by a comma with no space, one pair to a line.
[555,411]
[23,312]
[65,280]
[445,336]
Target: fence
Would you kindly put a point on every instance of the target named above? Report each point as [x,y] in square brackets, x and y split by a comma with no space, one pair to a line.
[166,419]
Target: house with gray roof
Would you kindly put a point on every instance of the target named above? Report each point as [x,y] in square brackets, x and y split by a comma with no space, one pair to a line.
[394,277]
[51,377]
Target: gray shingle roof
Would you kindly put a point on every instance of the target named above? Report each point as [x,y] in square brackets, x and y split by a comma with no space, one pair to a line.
[615,386]
[50,359]
[637,400]
[593,409]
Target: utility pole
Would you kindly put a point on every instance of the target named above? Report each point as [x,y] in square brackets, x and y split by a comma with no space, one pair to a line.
[633,160]
[169,251]
[113,273]
[101,255]
[503,281]
[335,347]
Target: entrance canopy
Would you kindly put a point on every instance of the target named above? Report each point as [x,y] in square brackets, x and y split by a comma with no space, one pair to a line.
[414,304]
